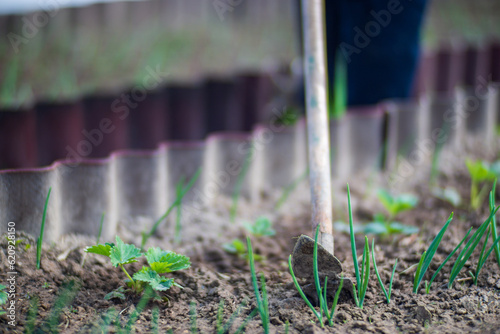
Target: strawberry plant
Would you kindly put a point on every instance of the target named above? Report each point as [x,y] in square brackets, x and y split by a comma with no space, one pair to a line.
[159,261]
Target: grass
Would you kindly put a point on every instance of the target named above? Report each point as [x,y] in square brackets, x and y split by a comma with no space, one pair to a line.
[387,294]
[261,299]
[175,204]
[290,188]
[39,241]
[178,226]
[337,99]
[97,239]
[363,277]
[321,291]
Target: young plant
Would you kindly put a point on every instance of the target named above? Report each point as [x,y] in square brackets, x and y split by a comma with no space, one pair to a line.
[484,256]
[426,257]
[428,285]
[290,188]
[222,328]
[175,204]
[337,99]
[448,194]
[479,172]
[361,280]
[261,300]
[471,244]
[494,233]
[394,205]
[261,227]
[178,227]
[321,291]
[159,261]
[39,241]
[386,293]
[97,239]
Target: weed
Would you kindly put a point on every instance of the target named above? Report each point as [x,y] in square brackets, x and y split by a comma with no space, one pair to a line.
[178,200]
[42,228]
[290,188]
[494,233]
[193,316]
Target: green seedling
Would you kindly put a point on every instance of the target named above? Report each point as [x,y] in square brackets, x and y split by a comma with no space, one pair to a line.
[448,194]
[470,246]
[66,296]
[361,279]
[42,228]
[290,188]
[261,227]
[337,99]
[178,227]
[97,239]
[4,296]
[175,204]
[382,224]
[426,257]
[222,328]
[159,261]
[428,285]
[386,293]
[484,256]
[155,316]
[261,299]
[147,296]
[480,172]
[494,233]
[321,291]
[239,184]
[194,317]
[237,247]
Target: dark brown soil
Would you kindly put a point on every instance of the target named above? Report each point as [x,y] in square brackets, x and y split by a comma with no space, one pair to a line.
[216,275]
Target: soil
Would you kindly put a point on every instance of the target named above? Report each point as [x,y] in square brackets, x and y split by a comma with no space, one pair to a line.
[216,275]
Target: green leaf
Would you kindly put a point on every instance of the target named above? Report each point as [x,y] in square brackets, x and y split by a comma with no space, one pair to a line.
[156,281]
[479,170]
[396,204]
[123,253]
[396,227]
[449,195]
[165,261]
[100,249]
[235,247]
[261,227]
[116,294]
[3,297]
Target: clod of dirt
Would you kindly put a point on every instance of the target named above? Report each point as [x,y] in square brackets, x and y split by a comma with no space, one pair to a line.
[423,315]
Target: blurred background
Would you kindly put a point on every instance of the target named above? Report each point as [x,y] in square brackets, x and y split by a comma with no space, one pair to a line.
[181,69]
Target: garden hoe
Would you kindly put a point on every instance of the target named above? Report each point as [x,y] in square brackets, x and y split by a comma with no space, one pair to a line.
[319,161]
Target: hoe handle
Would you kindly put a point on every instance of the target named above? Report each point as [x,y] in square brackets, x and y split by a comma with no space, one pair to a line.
[317,120]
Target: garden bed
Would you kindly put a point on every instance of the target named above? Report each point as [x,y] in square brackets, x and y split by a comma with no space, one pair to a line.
[216,275]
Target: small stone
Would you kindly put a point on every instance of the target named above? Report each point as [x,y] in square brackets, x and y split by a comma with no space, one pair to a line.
[461,311]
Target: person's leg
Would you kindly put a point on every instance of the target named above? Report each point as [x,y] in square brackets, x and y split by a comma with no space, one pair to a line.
[379,40]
